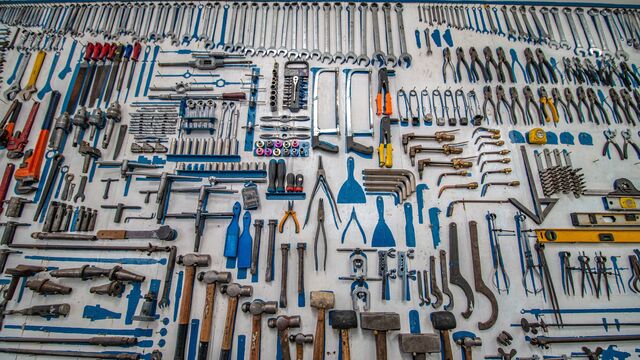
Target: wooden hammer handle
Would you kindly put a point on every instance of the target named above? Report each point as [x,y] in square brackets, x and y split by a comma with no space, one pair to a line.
[284,344]
[187,294]
[229,323]
[468,354]
[446,341]
[256,334]
[207,315]
[344,338]
[381,345]
[299,352]
[318,343]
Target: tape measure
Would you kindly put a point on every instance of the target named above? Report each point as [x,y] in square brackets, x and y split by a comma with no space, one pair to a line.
[537,136]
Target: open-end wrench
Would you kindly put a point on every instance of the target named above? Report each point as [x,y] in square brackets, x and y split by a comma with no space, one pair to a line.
[293,49]
[617,37]
[390,59]
[579,49]
[563,43]
[235,8]
[153,34]
[315,52]
[213,27]
[464,14]
[604,44]
[593,50]
[626,29]
[286,24]
[173,19]
[239,45]
[304,50]
[177,28]
[363,59]
[351,19]
[541,32]
[378,55]
[405,57]
[551,37]
[326,55]
[249,49]
[339,57]
[523,35]
[204,26]
[272,51]
[492,24]
[511,32]
[532,35]
[497,16]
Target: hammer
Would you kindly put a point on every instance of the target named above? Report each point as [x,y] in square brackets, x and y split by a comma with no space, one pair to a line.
[300,339]
[321,300]
[443,321]
[233,291]
[283,323]
[211,278]
[418,345]
[190,262]
[344,320]
[17,273]
[256,308]
[466,340]
[380,323]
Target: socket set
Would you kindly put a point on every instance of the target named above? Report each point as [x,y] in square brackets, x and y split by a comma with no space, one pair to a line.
[248,166]
[203,146]
[273,90]
[63,217]
[279,148]
[296,85]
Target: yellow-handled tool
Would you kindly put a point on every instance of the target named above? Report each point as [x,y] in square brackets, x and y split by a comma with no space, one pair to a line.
[30,88]
[385,149]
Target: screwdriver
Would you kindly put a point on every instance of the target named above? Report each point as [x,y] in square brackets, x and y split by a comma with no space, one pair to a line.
[125,60]
[207,63]
[134,61]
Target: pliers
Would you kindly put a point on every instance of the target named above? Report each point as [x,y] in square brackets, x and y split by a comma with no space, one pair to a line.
[557,99]
[320,226]
[610,135]
[475,60]
[502,99]
[548,101]
[594,103]
[489,60]
[290,213]
[463,61]
[542,61]
[582,100]
[488,99]
[528,101]
[354,218]
[568,96]
[532,67]
[321,179]
[383,93]
[617,105]
[385,149]
[628,103]
[502,61]
[515,101]
[626,136]
[446,62]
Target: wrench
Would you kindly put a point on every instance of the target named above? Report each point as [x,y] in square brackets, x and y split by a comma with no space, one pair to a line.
[351,40]
[592,50]
[293,52]
[239,46]
[178,24]
[339,57]
[282,50]
[579,49]
[544,36]
[556,18]
[326,10]
[497,16]
[304,52]
[11,93]
[378,55]
[492,25]
[65,196]
[228,46]
[511,32]
[532,35]
[315,7]
[363,59]
[249,50]
[523,36]
[604,45]
[81,188]
[206,15]
[551,37]
[404,57]
[390,59]
[47,86]
[617,41]
[261,50]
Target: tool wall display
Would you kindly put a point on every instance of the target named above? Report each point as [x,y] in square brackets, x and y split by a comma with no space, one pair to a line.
[179,144]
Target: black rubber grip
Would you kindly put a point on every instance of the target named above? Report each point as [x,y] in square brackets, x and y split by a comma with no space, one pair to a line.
[181,341]
[273,169]
[203,351]
[225,354]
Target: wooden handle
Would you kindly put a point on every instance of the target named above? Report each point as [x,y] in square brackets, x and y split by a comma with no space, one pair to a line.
[318,340]
[344,338]
[381,345]
[111,234]
[229,323]
[207,314]
[468,354]
[256,335]
[284,345]
[446,341]
[187,293]
[299,352]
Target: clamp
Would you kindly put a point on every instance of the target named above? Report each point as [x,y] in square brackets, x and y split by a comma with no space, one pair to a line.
[548,101]
[610,135]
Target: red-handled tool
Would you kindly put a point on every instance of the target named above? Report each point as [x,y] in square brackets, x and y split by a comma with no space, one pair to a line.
[4,185]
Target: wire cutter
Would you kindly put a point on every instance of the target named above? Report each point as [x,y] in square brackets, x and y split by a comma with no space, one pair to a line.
[626,136]
[463,61]
[385,150]
[446,62]
[490,61]
[475,60]
[548,101]
[321,179]
[610,135]
[320,226]
[290,213]
[383,92]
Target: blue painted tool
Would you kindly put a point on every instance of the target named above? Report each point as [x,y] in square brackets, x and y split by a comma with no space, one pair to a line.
[147,50]
[435,36]
[418,43]
[434,225]
[156,50]
[134,298]
[137,332]
[585,139]
[96,312]
[447,37]
[552,138]
[410,232]
[67,67]
[351,191]
[414,322]
[460,336]
[13,75]
[516,61]
[420,196]
[193,339]
[52,68]
[245,243]
[242,341]
[178,295]
[354,218]
[233,233]
[516,137]
[382,236]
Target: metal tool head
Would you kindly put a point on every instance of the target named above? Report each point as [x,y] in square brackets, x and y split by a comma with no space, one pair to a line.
[443,320]
[343,319]
[301,338]
[236,290]
[25,270]
[419,343]
[380,321]
[166,233]
[213,276]
[259,307]
[284,322]
[322,299]
[194,260]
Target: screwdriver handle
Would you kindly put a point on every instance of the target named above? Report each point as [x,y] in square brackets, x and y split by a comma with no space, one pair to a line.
[127,51]
[136,51]
[112,51]
[88,52]
[105,49]
[281,173]
[97,51]
[273,166]
[234,96]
